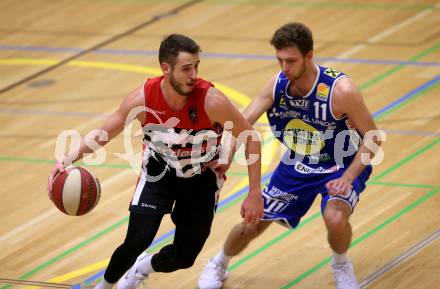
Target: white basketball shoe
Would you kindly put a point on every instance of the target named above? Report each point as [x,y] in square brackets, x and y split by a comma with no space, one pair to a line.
[344,275]
[213,275]
[133,279]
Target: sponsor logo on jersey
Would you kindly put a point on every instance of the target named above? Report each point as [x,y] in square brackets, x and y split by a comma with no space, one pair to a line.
[180,147]
[274,112]
[148,206]
[192,113]
[284,114]
[158,111]
[332,72]
[321,157]
[304,169]
[275,201]
[303,138]
[327,124]
[277,193]
[300,103]
[283,103]
[322,91]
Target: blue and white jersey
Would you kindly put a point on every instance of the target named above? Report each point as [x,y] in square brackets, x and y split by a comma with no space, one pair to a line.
[318,142]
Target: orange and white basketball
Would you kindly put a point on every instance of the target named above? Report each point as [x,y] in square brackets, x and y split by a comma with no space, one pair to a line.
[75,191]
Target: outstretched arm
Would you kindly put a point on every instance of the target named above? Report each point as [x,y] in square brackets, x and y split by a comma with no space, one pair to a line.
[254,111]
[112,126]
[261,103]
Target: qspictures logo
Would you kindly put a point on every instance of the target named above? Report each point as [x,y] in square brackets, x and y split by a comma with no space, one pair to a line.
[200,148]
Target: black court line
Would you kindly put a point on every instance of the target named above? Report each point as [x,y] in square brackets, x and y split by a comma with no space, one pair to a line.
[152,20]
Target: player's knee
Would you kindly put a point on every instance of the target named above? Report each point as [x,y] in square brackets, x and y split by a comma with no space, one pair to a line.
[184,260]
[336,221]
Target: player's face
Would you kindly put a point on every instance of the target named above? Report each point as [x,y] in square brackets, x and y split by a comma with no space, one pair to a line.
[184,73]
[292,62]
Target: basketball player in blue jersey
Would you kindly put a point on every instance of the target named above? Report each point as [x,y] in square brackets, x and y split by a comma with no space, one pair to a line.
[318,113]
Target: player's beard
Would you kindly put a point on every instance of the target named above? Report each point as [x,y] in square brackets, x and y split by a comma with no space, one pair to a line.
[178,87]
[301,71]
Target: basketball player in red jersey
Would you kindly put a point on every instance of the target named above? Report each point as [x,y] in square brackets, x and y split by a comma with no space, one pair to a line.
[183,118]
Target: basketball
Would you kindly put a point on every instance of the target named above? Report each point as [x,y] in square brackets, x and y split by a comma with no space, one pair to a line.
[75,191]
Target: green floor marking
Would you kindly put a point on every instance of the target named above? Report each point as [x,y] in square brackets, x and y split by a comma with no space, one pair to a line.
[365,236]
[405,160]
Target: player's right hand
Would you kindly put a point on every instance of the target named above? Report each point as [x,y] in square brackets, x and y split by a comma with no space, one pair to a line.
[56,169]
[252,209]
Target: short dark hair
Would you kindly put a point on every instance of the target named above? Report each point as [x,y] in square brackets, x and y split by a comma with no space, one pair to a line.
[172,44]
[293,35]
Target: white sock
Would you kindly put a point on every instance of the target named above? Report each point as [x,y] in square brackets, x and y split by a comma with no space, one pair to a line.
[104,285]
[339,258]
[222,259]
[144,267]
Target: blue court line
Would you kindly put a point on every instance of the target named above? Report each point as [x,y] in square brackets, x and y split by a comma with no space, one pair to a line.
[407,96]
[376,114]
[215,55]
[268,175]
[399,259]
[378,61]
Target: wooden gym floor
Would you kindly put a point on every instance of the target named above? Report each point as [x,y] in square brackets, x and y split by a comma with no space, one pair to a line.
[65,65]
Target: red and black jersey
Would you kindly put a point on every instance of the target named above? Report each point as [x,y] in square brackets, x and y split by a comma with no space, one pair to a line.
[184,139]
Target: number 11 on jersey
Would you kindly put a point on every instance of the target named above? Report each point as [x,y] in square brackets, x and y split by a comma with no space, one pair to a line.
[323,113]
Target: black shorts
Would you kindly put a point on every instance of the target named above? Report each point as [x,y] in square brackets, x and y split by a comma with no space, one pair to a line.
[159,197]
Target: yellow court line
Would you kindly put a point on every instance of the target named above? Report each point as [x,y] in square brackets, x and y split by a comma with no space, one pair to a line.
[269,150]
[238,97]
[80,272]
[116,66]
[77,273]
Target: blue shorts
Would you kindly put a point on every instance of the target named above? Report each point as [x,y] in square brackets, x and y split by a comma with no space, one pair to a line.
[293,188]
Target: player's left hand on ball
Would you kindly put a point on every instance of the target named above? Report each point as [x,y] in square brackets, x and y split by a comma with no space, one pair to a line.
[339,187]
[56,169]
